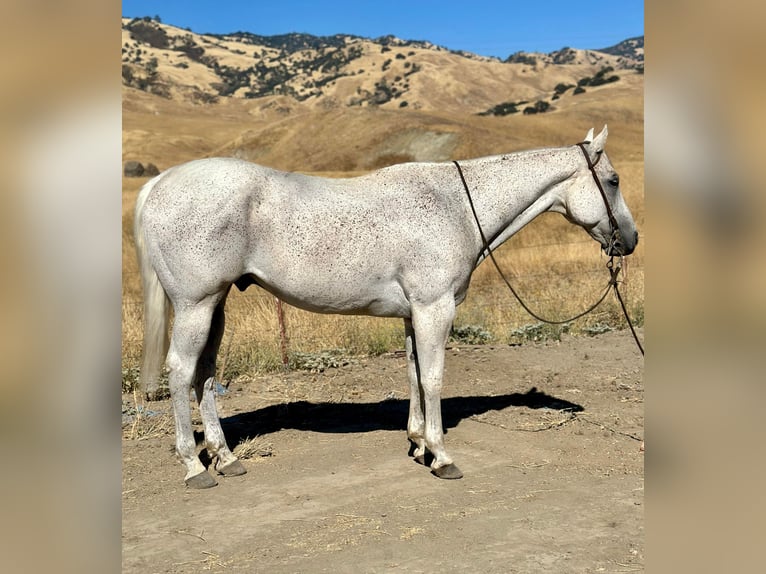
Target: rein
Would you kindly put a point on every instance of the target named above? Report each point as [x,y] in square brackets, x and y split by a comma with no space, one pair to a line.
[614,270]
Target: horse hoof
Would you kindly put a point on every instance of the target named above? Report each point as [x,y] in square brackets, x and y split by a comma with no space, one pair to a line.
[449,471]
[234,468]
[201,480]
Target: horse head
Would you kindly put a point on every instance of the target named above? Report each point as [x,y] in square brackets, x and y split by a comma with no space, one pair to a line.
[593,200]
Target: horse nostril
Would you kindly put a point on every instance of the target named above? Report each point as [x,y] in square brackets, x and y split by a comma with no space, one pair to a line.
[635,238]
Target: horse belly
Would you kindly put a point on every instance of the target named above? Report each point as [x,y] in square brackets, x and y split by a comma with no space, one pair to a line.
[321,293]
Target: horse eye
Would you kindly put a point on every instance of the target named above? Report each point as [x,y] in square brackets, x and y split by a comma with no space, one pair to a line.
[615,180]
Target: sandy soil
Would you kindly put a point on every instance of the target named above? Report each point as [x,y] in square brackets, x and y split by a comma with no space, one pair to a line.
[547,434]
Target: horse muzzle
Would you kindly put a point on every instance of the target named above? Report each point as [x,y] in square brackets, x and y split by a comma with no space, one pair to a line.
[618,245]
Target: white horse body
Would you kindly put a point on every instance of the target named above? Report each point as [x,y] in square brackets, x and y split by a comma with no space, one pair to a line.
[399,242]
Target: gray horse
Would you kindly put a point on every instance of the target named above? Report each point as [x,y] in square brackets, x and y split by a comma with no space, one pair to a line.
[402,241]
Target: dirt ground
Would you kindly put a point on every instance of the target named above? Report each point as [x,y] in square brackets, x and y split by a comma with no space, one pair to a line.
[548,436]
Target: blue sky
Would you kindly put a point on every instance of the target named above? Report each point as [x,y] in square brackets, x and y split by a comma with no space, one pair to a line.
[487,27]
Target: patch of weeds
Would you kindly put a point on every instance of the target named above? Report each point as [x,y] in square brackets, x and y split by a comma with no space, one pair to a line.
[597,329]
[378,346]
[243,363]
[130,379]
[319,362]
[470,335]
[374,341]
[539,332]
[637,316]
[613,315]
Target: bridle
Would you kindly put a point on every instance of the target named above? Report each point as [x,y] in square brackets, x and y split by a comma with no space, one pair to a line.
[614,236]
[614,270]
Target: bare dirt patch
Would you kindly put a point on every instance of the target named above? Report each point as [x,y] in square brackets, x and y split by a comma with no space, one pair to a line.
[548,436]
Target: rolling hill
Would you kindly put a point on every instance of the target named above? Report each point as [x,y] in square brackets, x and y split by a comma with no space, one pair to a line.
[344,103]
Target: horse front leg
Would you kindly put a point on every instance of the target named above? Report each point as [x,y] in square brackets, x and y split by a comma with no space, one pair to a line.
[431,324]
[416,422]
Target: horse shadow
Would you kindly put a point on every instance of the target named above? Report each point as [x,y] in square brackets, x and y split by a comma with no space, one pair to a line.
[388,414]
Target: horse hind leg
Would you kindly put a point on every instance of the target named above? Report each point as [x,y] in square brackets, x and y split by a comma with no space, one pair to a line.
[191,329]
[204,386]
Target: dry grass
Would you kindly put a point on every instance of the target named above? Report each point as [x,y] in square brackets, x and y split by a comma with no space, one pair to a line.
[142,423]
[253,448]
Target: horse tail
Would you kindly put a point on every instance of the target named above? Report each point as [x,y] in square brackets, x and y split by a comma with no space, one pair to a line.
[156,305]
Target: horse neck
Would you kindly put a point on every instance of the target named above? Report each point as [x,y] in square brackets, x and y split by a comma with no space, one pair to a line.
[509,191]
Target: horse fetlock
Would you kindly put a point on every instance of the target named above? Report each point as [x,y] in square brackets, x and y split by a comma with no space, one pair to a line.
[417,443]
[221,457]
[419,451]
[440,461]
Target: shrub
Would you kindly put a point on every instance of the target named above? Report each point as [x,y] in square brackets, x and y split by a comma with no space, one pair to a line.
[597,329]
[146,32]
[383,93]
[599,79]
[539,332]
[415,68]
[470,335]
[191,49]
[540,107]
[319,362]
[503,109]
[564,56]
[127,74]
[521,58]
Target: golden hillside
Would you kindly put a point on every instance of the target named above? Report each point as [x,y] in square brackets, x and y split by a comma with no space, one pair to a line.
[343,103]
[341,71]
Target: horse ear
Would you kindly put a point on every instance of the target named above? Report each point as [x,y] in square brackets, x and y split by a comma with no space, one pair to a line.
[588,136]
[600,140]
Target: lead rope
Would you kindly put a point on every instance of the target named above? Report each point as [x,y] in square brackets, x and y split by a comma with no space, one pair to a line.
[614,271]
[613,283]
